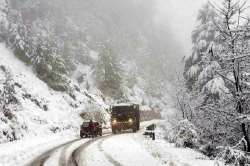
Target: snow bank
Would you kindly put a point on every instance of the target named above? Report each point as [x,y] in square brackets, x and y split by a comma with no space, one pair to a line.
[21,152]
[170,155]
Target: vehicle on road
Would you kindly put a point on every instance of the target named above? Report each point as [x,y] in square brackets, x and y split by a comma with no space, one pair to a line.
[90,130]
[150,131]
[124,117]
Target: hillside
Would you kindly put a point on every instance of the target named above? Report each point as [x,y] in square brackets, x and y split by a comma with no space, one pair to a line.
[30,107]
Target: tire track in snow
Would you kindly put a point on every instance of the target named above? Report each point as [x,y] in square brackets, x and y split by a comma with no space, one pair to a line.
[40,160]
[64,160]
[110,159]
[67,154]
[77,158]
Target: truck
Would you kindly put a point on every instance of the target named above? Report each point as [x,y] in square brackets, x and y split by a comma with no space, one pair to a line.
[125,117]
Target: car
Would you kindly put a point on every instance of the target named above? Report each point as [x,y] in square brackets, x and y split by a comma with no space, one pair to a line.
[87,132]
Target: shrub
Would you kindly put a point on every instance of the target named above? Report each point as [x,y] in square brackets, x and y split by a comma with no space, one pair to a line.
[209,150]
[185,134]
[234,157]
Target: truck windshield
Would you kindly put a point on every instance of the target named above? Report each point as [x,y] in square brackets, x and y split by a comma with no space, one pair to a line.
[122,110]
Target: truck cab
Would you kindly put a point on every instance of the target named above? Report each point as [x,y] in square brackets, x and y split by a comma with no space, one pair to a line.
[125,117]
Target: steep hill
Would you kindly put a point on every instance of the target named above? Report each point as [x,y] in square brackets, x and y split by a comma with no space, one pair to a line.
[29,107]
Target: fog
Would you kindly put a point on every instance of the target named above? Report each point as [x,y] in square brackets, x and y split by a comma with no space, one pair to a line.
[180,15]
[151,36]
[139,31]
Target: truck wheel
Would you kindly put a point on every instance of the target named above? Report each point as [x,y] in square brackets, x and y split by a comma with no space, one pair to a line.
[134,130]
[114,131]
[138,126]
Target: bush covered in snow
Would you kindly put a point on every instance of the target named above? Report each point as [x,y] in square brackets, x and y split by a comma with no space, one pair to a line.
[209,150]
[186,134]
[9,104]
[234,157]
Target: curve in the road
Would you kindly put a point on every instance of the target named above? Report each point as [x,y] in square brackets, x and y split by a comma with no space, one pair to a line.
[75,156]
[63,160]
[110,159]
[40,160]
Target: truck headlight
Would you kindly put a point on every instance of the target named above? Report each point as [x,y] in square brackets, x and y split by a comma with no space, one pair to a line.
[130,120]
[114,121]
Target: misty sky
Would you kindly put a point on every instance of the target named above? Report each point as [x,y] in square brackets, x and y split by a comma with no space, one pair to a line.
[180,15]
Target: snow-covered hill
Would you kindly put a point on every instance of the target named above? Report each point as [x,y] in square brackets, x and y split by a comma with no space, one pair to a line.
[30,108]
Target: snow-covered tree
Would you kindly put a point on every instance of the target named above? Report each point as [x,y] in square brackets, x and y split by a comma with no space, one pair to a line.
[197,70]
[234,58]
[108,70]
[186,134]
[50,66]
[9,105]
[222,76]
[3,20]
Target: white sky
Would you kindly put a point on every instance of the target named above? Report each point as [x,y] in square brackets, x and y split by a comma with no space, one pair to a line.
[180,15]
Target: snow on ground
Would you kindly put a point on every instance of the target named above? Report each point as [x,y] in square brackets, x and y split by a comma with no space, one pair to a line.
[21,152]
[32,119]
[126,150]
[168,154]
[40,110]
[41,129]
[94,156]
[134,149]
[63,154]
[42,118]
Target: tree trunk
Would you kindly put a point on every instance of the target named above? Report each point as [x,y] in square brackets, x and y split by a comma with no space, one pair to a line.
[245,134]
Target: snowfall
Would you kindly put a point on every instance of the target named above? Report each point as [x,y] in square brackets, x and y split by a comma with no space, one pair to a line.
[40,130]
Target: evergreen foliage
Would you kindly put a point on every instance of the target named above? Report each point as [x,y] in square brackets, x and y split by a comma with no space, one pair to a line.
[219,67]
[108,70]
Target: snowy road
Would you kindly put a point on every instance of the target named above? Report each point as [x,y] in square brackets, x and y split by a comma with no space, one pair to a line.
[126,149]
[88,152]
[67,154]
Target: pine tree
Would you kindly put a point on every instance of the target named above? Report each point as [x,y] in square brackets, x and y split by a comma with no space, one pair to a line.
[50,66]
[223,75]
[202,37]
[3,20]
[201,68]
[108,70]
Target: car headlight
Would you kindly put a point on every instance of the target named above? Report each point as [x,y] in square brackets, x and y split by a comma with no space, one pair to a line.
[130,120]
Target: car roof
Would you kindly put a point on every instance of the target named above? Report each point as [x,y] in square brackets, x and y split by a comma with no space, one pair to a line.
[124,104]
[87,121]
